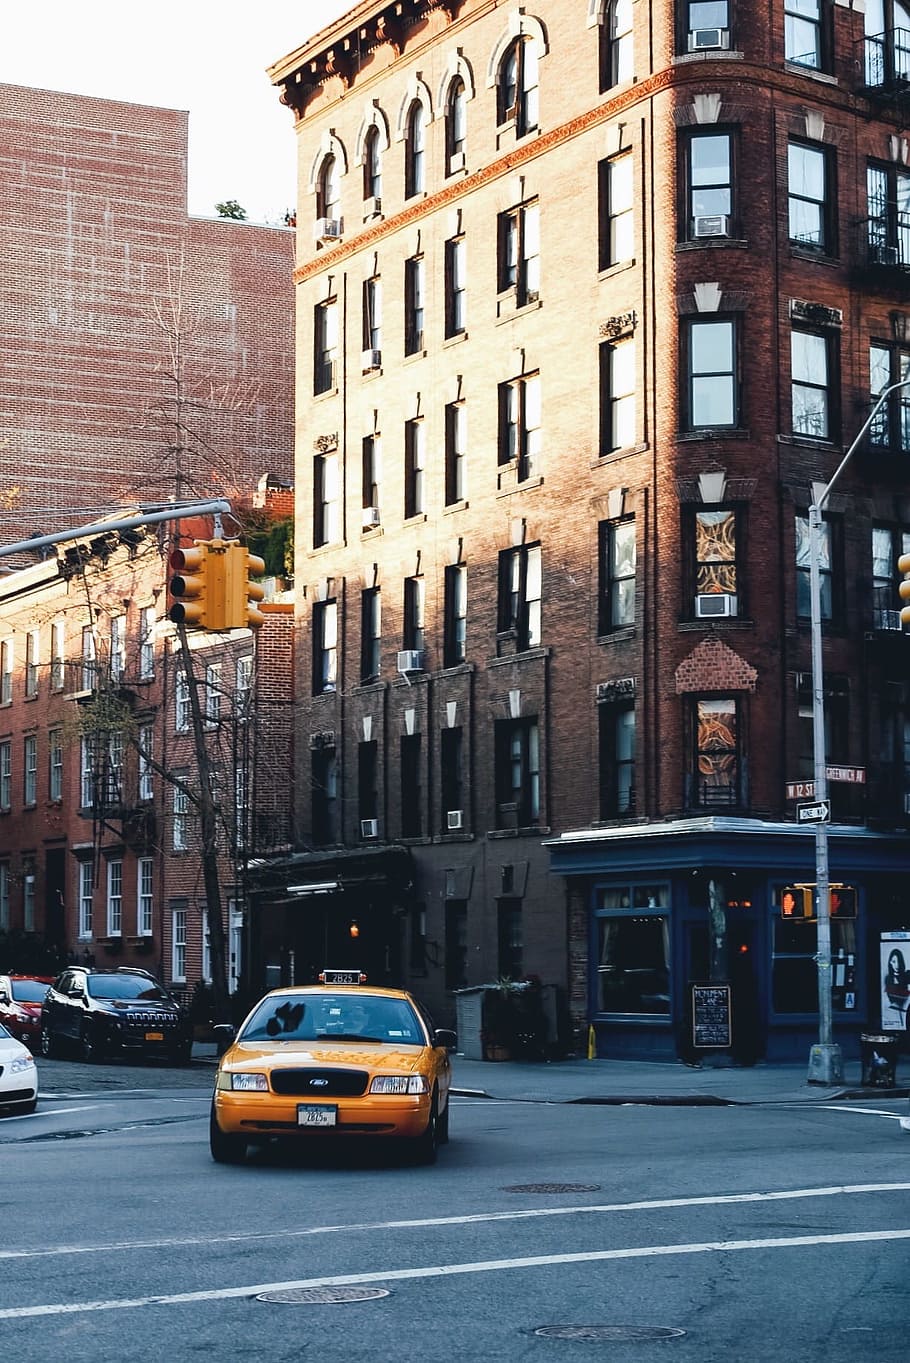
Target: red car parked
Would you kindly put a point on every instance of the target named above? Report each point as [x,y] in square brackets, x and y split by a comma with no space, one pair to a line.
[21,997]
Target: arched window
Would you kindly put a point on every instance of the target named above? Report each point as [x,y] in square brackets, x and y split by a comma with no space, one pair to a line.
[518,100]
[616,56]
[372,165]
[328,195]
[415,150]
[456,124]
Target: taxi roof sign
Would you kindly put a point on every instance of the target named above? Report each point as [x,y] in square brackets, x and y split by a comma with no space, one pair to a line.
[342,977]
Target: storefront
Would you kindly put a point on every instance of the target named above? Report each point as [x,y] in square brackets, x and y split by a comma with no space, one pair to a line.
[669,906]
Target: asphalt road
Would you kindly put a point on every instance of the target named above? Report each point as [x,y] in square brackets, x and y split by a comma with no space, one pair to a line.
[748,1233]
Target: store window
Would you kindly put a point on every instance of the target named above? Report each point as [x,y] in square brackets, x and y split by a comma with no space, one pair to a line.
[633,950]
[794,968]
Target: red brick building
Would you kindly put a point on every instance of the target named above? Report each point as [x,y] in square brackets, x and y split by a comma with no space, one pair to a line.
[588,298]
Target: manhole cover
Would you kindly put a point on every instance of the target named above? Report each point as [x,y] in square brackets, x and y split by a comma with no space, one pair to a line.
[553,1188]
[318,1296]
[615,1334]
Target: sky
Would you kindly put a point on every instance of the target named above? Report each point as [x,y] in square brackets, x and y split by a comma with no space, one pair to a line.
[205,56]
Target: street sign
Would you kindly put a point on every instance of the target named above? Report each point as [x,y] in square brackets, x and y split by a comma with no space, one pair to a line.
[820,812]
[805,790]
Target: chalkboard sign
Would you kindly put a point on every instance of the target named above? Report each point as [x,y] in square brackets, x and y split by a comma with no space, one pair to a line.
[711,1021]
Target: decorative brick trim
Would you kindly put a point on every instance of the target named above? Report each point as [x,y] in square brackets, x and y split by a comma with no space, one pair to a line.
[712,666]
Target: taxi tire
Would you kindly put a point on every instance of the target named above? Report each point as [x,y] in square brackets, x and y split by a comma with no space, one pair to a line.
[443,1126]
[226,1148]
[426,1146]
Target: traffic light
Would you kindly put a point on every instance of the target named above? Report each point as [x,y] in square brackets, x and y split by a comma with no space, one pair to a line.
[903,589]
[197,586]
[796,901]
[241,594]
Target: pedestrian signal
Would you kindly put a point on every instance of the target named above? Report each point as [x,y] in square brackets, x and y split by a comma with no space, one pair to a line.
[795,902]
[842,901]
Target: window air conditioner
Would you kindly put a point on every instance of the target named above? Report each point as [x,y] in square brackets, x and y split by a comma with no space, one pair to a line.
[328,229]
[704,39]
[888,620]
[453,820]
[371,359]
[880,253]
[712,225]
[369,828]
[370,517]
[372,206]
[456,161]
[714,604]
[410,660]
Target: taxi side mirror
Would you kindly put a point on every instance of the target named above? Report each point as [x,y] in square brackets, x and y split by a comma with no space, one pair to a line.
[443,1036]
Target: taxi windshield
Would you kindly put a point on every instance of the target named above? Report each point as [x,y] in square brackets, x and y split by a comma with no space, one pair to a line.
[338,1017]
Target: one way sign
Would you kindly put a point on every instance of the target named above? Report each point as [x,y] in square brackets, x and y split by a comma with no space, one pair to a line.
[819,812]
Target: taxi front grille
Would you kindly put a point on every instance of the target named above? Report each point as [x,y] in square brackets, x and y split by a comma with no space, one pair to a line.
[320,1082]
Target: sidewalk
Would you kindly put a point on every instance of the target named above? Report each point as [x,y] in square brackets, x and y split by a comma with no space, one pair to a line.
[641,1081]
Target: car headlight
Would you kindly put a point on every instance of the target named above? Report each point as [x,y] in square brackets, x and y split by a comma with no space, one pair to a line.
[21,1062]
[399,1083]
[245,1083]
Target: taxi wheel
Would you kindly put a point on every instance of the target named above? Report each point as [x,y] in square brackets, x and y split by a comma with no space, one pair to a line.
[225,1148]
[426,1146]
[442,1125]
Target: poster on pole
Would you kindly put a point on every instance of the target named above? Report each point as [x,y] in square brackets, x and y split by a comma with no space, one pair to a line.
[895,977]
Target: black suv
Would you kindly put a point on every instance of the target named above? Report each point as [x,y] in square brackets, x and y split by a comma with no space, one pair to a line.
[97,1013]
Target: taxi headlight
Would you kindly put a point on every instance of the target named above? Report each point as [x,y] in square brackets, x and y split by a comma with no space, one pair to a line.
[21,1062]
[248,1083]
[399,1083]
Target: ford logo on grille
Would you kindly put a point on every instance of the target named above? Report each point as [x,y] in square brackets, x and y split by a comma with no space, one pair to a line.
[318,1083]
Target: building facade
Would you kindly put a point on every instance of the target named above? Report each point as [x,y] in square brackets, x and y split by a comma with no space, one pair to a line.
[589,298]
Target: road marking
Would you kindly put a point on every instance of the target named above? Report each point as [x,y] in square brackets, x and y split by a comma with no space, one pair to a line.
[867,1111]
[48,1112]
[454,1270]
[469,1219]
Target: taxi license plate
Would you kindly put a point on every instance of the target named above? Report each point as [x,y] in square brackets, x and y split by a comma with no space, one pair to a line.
[316,1114]
[154,1036]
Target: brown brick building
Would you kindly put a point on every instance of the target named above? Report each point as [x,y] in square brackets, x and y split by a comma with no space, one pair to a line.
[588,298]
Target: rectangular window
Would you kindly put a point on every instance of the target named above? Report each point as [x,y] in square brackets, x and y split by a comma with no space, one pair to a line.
[89,664]
[709,184]
[32,659]
[206,970]
[836,713]
[243,688]
[118,646]
[326,500]
[411,794]
[520,435]
[616,734]
[517,776]
[6,671]
[145,740]
[811,384]
[810,199]
[414,599]
[633,964]
[55,765]
[454,814]
[182,703]
[241,807]
[372,323]
[370,634]
[212,694]
[28,894]
[114,898]
[58,636]
[372,477]
[616,597]
[519,595]
[715,545]
[617,395]
[826,570]
[616,193]
[890,429]
[325,647]
[456,928]
[888,206]
[4,896]
[509,939]
[180,808]
[367,783]
[146,643]
[616,59]
[803,32]
[455,614]
[887,546]
[30,765]
[712,385]
[6,774]
[86,892]
[178,945]
[324,769]
[144,896]
[114,783]
[325,347]
[414,294]
[86,774]
[414,466]
[456,452]
[519,253]
[717,757]
[455,286]
[794,963]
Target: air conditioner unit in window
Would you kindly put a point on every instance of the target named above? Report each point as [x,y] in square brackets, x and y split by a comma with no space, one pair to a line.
[704,39]
[453,820]
[880,253]
[370,517]
[410,660]
[714,604]
[890,620]
[711,225]
[371,359]
[456,161]
[369,828]
[372,206]
[328,229]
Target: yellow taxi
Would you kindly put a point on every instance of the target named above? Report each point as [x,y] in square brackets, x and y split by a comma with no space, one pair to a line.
[337,1059]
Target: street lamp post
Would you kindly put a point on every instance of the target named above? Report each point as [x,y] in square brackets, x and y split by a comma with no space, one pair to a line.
[825,1060]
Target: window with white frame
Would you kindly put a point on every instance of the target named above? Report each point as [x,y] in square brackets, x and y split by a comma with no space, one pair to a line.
[180,810]
[32,660]
[6,774]
[118,646]
[58,637]
[415,150]
[328,190]
[519,595]
[89,666]
[115,768]
[212,694]
[455,614]
[456,125]
[6,671]
[4,896]
[146,643]
[145,900]
[325,646]
[30,769]
[114,898]
[520,433]
[86,891]
[415,462]
[86,773]
[243,698]
[519,252]
[326,499]
[455,286]
[371,464]
[617,61]
[518,88]
[146,738]
[372,165]
[28,894]
[617,402]
[372,322]
[325,349]
[414,607]
[182,703]
[455,452]
[178,945]
[414,304]
[55,764]
[616,237]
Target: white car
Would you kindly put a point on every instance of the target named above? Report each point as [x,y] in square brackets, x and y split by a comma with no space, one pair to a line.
[18,1076]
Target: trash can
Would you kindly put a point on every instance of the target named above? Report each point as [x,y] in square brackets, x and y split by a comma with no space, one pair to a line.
[879,1059]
